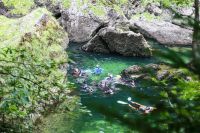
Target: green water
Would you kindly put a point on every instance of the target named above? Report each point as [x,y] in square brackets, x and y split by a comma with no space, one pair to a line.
[95,106]
[95,121]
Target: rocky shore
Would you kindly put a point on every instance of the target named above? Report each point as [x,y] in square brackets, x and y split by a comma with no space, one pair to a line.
[45,27]
[83,24]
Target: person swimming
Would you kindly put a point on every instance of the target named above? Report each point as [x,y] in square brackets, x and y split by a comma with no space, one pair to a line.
[106,85]
[79,73]
[87,88]
[76,72]
[97,70]
[106,81]
[142,108]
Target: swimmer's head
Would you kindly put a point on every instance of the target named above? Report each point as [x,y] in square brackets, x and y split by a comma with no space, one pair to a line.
[129,99]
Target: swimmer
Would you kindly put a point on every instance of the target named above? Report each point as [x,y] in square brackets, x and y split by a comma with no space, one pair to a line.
[76,72]
[97,70]
[142,108]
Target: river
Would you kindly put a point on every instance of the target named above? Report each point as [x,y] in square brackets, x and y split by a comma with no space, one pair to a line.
[97,112]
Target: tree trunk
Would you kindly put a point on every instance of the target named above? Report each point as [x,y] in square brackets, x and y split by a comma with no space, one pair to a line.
[196,39]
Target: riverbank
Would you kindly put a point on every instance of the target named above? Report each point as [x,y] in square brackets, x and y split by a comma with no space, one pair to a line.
[95,118]
[113,35]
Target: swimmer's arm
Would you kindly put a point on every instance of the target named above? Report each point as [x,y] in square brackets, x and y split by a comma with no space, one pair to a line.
[136,103]
[132,107]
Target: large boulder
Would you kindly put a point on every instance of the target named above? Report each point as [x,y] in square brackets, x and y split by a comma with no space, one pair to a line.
[83,22]
[37,58]
[75,17]
[165,32]
[154,75]
[111,40]
[80,22]
[37,30]
[185,11]
[79,26]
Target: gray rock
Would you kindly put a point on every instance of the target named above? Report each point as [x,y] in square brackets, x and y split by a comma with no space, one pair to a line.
[96,44]
[165,32]
[185,11]
[135,69]
[154,8]
[78,24]
[111,40]
[3,9]
[152,66]
[80,28]
[77,20]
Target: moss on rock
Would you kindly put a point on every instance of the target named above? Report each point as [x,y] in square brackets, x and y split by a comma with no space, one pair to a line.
[38,31]
[32,51]
[19,7]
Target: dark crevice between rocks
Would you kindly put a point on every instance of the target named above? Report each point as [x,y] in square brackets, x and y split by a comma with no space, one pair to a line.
[103,25]
[3,9]
[57,15]
[104,43]
[55,10]
[134,29]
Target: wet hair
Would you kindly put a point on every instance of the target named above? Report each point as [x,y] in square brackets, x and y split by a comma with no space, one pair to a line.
[148,108]
[91,90]
[76,70]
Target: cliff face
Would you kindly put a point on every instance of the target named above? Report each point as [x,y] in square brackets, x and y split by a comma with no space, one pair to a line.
[38,30]
[18,8]
[32,54]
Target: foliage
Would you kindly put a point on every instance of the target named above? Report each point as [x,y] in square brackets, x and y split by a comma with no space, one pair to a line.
[64,3]
[22,7]
[169,3]
[31,78]
[146,15]
[27,82]
[19,7]
[175,97]
[98,7]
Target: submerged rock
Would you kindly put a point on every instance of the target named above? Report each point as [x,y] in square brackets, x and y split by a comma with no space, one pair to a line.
[132,69]
[152,73]
[165,32]
[111,40]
